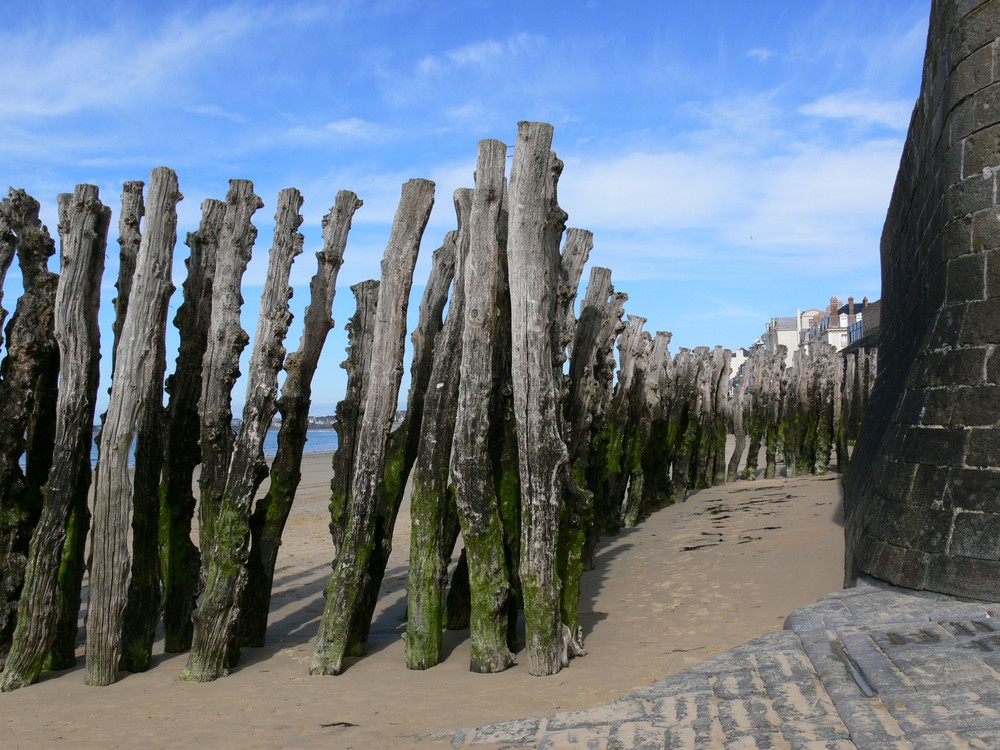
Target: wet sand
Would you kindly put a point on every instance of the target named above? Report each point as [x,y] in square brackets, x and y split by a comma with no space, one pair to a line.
[694,580]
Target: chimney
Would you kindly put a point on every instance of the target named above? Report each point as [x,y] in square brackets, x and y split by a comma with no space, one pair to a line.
[834,305]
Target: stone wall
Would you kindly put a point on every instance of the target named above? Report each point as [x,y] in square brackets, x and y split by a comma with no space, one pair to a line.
[923,490]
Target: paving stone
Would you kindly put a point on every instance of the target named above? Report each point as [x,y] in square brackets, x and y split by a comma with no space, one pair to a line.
[634,735]
[626,709]
[518,731]
[593,738]
[874,667]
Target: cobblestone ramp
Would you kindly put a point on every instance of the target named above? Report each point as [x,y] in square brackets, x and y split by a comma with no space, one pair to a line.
[872,667]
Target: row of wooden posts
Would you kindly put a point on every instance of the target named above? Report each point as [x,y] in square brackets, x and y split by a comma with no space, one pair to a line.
[518,435]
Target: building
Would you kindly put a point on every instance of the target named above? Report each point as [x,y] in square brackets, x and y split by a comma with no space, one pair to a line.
[808,328]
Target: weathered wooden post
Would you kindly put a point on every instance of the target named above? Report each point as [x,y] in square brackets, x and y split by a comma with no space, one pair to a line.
[431,497]
[179,558]
[346,589]
[404,442]
[144,599]
[141,331]
[52,580]
[542,453]
[25,380]
[215,646]
[271,512]
[476,427]
[350,410]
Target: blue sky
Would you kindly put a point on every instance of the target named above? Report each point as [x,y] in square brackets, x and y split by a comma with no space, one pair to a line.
[733,158]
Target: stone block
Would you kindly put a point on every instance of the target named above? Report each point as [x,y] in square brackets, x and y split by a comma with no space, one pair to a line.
[956,237]
[993,367]
[895,480]
[976,406]
[947,327]
[976,535]
[982,148]
[982,448]
[966,278]
[975,67]
[981,323]
[637,735]
[964,576]
[986,230]
[916,527]
[986,107]
[939,403]
[937,446]
[954,367]
[929,487]
[974,193]
[904,567]
[975,33]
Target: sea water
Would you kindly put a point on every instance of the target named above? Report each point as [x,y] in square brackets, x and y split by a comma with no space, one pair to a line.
[317,441]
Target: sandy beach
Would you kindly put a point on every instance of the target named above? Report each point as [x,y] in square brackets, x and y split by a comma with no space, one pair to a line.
[694,580]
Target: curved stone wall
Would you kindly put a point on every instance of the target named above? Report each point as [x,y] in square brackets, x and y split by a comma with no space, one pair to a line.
[923,489]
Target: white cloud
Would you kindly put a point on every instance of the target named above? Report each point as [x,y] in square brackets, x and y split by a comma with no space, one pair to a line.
[761,54]
[351,128]
[49,73]
[213,110]
[862,109]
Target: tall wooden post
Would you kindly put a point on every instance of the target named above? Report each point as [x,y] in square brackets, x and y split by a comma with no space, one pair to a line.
[113,494]
[271,512]
[215,646]
[345,592]
[179,558]
[542,453]
[51,575]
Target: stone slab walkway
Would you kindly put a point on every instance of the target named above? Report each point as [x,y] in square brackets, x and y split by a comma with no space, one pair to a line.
[871,667]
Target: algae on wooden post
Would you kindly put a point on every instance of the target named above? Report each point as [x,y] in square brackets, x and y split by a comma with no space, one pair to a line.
[179,558]
[215,646]
[476,423]
[113,486]
[31,353]
[345,596]
[350,409]
[48,585]
[271,512]
[532,258]
[430,500]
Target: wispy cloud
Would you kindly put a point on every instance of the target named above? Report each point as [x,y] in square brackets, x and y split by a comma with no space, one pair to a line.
[862,109]
[214,110]
[761,54]
[348,129]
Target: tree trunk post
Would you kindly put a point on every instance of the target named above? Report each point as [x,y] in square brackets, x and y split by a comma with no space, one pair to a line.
[114,490]
[48,584]
[346,589]
[271,512]
[350,410]
[215,646]
[25,381]
[541,451]
[179,558]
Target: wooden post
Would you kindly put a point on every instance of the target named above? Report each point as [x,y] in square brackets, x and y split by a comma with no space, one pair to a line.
[541,451]
[430,497]
[271,512]
[26,379]
[345,592]
[404,442]
[144,599]
[179,558]
[360,332]
[114,490]
[215,646]
[476,424]
[51,575]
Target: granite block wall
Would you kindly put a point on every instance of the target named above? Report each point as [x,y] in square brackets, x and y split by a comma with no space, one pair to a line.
[922,499]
